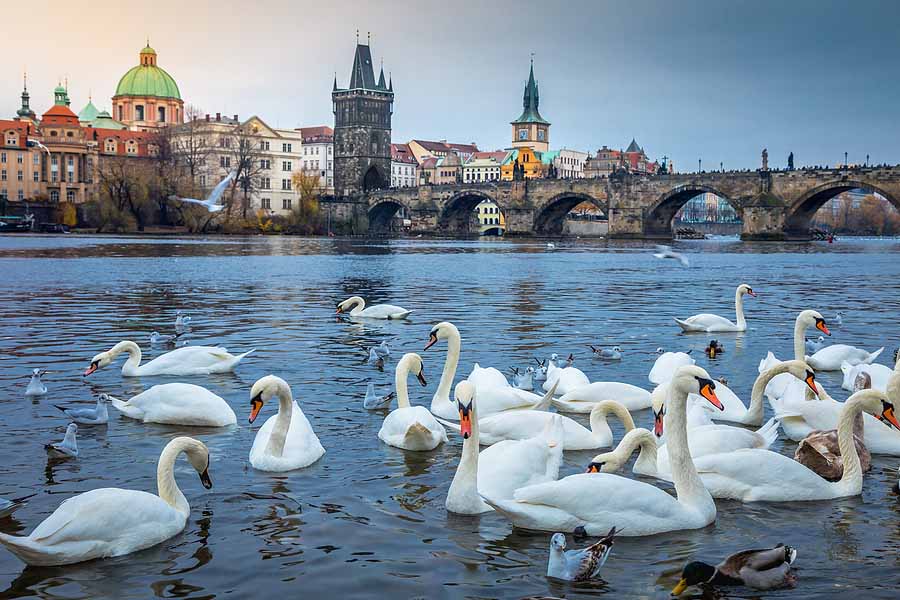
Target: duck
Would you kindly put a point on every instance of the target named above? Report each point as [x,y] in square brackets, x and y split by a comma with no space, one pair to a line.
[614,353]
[98,415]
[68,448]
[525,424]
[714,349]
[492,398]
[177,404]
[832,357]
[666,364]
[582,399]
[813,346]
[189,360]
[108,522]
[8,507]
[36,387]
[286,441]
[578,565]
[410,427]
[757,475]
[565,378]
[589,502]
[373,401]
[357,308]
[709,323]
[878,375]
[765,569]
[502,468]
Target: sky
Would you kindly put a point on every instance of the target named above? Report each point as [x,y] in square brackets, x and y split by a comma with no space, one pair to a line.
[711,80]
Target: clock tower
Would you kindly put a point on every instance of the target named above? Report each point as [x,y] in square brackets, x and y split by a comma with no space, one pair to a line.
[530,130]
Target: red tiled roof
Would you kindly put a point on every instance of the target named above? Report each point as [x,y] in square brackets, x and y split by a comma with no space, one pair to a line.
[402,153]
[444,147]
[428,162]
[319,133]
[498,155]
[122,136]
[59,114]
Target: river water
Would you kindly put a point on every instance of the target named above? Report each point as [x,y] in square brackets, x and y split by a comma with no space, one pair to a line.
[369,520]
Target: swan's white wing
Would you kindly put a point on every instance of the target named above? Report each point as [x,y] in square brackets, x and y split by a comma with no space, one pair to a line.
[487,377]
[220,189]
[384,311]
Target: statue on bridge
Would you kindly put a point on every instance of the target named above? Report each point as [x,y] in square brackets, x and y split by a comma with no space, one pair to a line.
[791,161]
[765,159]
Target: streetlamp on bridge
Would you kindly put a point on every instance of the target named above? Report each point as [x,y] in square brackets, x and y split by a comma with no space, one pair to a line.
[699,165]
[867,160]
[722,166]
[845,160]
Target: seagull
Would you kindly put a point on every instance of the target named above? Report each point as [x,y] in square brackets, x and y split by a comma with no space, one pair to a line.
[813,346]
[375,360]
[212,202]
[523,380]
[551,245]
[382,349]
[157,338]
[373,401]
[36,387]
[8,507]
[578,565]
[667,252]
[89,416]
[181,322]
[836,320]
[41,146]
[540,374]
[68,448]
[614,353]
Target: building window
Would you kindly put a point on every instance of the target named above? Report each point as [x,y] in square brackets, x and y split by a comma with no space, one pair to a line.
[70,134]
[121,113]
[263,145]
[20,195]
[523,134]
[70,195]
[109,146]
[19,158]
[265,203]
[541,134]
[35,174]
[21,176]
[265,164]
[3,157]
[161,114]
[131,147]
[286,184]
[286,148]
[265,183]
[203,181]
[225,161]
[3,175]
[54,195]
[286,203]
[139,112]
[286,165]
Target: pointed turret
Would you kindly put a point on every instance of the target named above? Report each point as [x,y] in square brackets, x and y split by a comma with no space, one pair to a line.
[391,83]
[25,111]
[531,101]
[334,88]
[381,84]
[633,147]
[363,74]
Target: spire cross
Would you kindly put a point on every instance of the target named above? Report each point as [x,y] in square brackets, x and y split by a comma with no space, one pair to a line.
[357,36]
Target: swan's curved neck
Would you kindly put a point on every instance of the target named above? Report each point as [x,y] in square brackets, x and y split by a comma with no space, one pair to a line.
[449,372]
[463,494]
[604,408]
[134,355]
[688,486]
[800,339]
[851,480]
[643,439]
[358,305]
[277,438]
[739,308]
[165,478]
[757,395]
[401,374]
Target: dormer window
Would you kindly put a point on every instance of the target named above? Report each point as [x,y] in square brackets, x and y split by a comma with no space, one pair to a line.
[109,146]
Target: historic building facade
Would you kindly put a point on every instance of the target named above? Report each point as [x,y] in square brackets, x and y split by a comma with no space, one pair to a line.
[404,167]
[608,161]
[362,128]
[318,155]
[483,166]
[147,97]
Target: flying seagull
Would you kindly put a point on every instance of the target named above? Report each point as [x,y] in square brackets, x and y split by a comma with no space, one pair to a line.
[41,146]
[212,203]
[667,252]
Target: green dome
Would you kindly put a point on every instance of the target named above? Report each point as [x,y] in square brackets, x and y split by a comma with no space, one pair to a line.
[148,50]
[148,80]
[88,113]
[59,90]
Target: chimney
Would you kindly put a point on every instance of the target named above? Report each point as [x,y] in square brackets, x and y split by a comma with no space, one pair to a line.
[218,117]
[207,117]
[235,117]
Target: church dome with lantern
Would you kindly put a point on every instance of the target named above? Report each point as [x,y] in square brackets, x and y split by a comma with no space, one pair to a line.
[147,97]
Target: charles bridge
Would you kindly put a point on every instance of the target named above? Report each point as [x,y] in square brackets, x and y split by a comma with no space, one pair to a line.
[773,205]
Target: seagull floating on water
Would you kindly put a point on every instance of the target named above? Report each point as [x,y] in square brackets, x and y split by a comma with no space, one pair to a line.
[523,380]
[375,360]
[8,507]
[212,202]
[97,415]
[813,346]
[182,322]
[664,252]
[36,387]
[836,320]
[614,353]
[578,565]
[68,448]
[373,401]
[157,338]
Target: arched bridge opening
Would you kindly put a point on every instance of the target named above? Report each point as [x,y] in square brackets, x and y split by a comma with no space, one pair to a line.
[800,215]
[658,218]
[459,216]
[551,219]
[381,215]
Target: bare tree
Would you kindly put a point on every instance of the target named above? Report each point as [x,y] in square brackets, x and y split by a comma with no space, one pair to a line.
[246,154]
[192,145]
[123,185]
[165,169]
[305,216]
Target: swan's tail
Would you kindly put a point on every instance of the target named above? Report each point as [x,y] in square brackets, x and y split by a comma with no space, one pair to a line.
[26,550]
[241,357]
[418,436]
[545,402]
[873,356]
[769,431]
[448,424]
[401,315]
[685,326]
[125,408]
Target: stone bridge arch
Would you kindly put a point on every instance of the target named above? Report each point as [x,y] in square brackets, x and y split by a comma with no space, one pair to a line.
[382,212]
[550,218]
[800,212]
[457,216]
[659,215]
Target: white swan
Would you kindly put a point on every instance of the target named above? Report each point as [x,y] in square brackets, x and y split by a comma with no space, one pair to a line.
[378,311]
[109,522]
[754,475]
[286,441]
[487,377]
[786,387]
[565,379]
[831,357]
[714,323]
[879,375]
[666,364]
[190,360]
[491,399]
[524,424]
[502,468]
[410,427]
[594,502]
[583,398]
[177,404]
